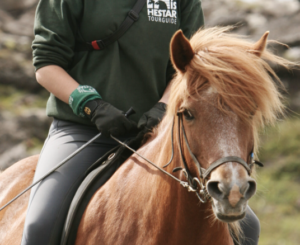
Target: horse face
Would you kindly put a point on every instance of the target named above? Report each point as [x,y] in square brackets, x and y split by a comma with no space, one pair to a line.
[212,135]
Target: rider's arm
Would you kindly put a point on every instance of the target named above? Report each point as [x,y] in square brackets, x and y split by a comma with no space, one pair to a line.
[55,29]
[57,81]
[53,46]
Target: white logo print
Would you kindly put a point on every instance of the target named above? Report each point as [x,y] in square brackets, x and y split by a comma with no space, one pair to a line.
[164,11]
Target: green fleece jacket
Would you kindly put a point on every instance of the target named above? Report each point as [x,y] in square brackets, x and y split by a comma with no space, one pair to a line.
[133,71]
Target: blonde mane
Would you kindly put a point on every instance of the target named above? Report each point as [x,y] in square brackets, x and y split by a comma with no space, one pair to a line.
[243,80]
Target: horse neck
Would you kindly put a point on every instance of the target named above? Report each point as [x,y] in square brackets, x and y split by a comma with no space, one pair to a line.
[178,210]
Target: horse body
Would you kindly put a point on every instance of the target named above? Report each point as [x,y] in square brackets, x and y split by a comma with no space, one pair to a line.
[165,213]
[12,181]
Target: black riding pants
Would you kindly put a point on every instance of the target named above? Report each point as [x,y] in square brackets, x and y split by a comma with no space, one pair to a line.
[50,199]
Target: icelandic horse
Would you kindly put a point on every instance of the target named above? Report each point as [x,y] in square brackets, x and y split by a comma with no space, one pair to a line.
[222,94]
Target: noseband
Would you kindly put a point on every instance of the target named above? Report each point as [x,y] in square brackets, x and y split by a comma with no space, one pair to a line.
[194,184]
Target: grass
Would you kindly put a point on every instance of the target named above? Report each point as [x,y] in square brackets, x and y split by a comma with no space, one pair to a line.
[15,100]
[277,202]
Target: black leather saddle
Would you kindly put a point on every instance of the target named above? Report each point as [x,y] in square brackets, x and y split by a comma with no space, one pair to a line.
[96,176]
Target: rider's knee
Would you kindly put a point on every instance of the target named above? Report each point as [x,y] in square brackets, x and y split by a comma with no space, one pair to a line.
[253,220]
[35,229]
[251,228]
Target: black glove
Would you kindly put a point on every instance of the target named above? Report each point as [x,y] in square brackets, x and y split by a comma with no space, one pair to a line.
[107,118]
[152,117]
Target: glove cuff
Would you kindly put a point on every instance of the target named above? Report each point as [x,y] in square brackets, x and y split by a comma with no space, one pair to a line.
[80,96]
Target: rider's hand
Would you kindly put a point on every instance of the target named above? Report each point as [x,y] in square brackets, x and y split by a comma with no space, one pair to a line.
[107,118]
[152,117]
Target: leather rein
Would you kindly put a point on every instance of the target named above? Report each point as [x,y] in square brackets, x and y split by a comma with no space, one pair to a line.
[194,184]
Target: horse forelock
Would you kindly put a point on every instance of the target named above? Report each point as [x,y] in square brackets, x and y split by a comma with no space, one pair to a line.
[228,65]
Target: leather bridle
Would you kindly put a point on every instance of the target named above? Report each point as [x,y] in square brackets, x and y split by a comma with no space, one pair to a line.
[198,185]
[194,184]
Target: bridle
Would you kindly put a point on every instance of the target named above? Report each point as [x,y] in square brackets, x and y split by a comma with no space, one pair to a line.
[194,184]
[199,185]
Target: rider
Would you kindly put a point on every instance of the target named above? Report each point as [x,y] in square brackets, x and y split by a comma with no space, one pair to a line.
[90,90]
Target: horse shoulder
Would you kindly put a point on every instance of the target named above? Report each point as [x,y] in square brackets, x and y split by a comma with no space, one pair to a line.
[12,181]
[114,214]
[110,213]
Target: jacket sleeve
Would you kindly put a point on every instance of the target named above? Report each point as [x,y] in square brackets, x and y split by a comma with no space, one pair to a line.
[191,19]
[55,29]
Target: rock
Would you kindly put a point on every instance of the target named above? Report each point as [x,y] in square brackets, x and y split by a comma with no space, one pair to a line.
[15,43]
[16,132]
[15,51]
[12,156]
[219,13]
[12,5]
[292,54]
[276,9]
[281,18]
[22,26]
[238,20]
[8,129]
[34,122]
[5,17]
[255,21]
[17,70]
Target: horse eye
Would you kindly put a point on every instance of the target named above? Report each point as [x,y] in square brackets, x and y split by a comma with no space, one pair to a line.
[188,115]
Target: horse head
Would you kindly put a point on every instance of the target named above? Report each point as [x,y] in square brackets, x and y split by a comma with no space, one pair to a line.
[222,94]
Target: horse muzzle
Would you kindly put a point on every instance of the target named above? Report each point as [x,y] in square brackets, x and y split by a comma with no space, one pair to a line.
[229,199]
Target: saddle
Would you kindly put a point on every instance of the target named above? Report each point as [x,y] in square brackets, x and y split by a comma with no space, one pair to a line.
[95,177]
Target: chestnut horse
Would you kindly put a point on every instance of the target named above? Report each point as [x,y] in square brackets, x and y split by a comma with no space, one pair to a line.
[222,94]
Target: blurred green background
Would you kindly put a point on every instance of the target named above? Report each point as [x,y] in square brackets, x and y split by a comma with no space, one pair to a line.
[277,201]
[24,125]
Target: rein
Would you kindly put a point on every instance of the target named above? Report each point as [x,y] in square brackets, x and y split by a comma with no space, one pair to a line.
[194,184]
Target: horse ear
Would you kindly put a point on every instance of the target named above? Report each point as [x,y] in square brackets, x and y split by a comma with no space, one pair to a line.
[181,51]
[261,44]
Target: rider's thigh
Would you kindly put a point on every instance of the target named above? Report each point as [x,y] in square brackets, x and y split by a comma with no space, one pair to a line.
[50,199]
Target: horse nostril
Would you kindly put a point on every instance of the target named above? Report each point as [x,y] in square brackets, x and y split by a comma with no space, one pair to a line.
[251,189]
[213,188]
